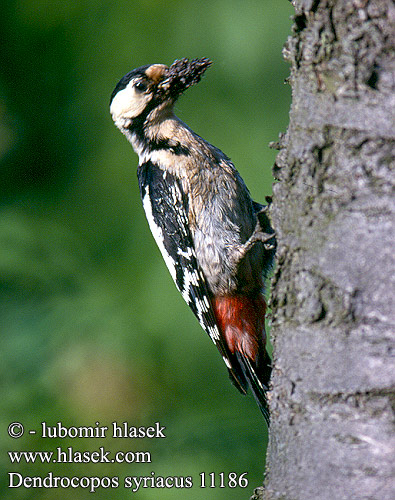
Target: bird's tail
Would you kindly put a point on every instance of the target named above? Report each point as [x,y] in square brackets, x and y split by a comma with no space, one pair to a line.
[258,388]
[241,322]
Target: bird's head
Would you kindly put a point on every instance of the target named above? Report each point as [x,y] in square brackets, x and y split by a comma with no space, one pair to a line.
[150,90]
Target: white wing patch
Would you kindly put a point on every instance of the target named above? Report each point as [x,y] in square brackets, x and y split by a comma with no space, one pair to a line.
[158,234]
[166,209]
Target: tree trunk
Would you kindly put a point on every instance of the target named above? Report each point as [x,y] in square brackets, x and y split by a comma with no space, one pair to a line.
[332,431]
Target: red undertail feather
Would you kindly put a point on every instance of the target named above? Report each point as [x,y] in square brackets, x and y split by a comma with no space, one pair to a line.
[241,322]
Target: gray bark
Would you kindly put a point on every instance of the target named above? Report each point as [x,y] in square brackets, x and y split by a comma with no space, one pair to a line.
[332,431]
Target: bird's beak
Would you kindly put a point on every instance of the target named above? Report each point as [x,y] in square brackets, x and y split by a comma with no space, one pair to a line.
[181,75]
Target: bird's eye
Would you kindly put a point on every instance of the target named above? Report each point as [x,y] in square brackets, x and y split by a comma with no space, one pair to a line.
[140,86]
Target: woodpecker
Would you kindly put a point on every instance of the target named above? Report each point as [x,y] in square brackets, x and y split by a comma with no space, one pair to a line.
[216,241]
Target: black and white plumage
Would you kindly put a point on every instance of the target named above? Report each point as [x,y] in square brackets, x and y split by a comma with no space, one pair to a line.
[216,241]
[166,208]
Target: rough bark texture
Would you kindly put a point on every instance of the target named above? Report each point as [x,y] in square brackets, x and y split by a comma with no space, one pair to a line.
[332,432]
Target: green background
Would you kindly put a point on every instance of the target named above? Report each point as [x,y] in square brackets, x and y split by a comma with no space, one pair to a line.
[92,327]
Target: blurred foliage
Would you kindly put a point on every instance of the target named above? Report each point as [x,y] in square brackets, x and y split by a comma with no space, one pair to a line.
[93,329]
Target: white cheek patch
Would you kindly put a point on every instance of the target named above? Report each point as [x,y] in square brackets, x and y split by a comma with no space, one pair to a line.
[127,104]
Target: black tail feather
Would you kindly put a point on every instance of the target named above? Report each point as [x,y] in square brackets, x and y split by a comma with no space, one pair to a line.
[258,389]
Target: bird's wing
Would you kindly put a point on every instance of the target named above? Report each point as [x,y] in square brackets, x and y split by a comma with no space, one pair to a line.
[166,208]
